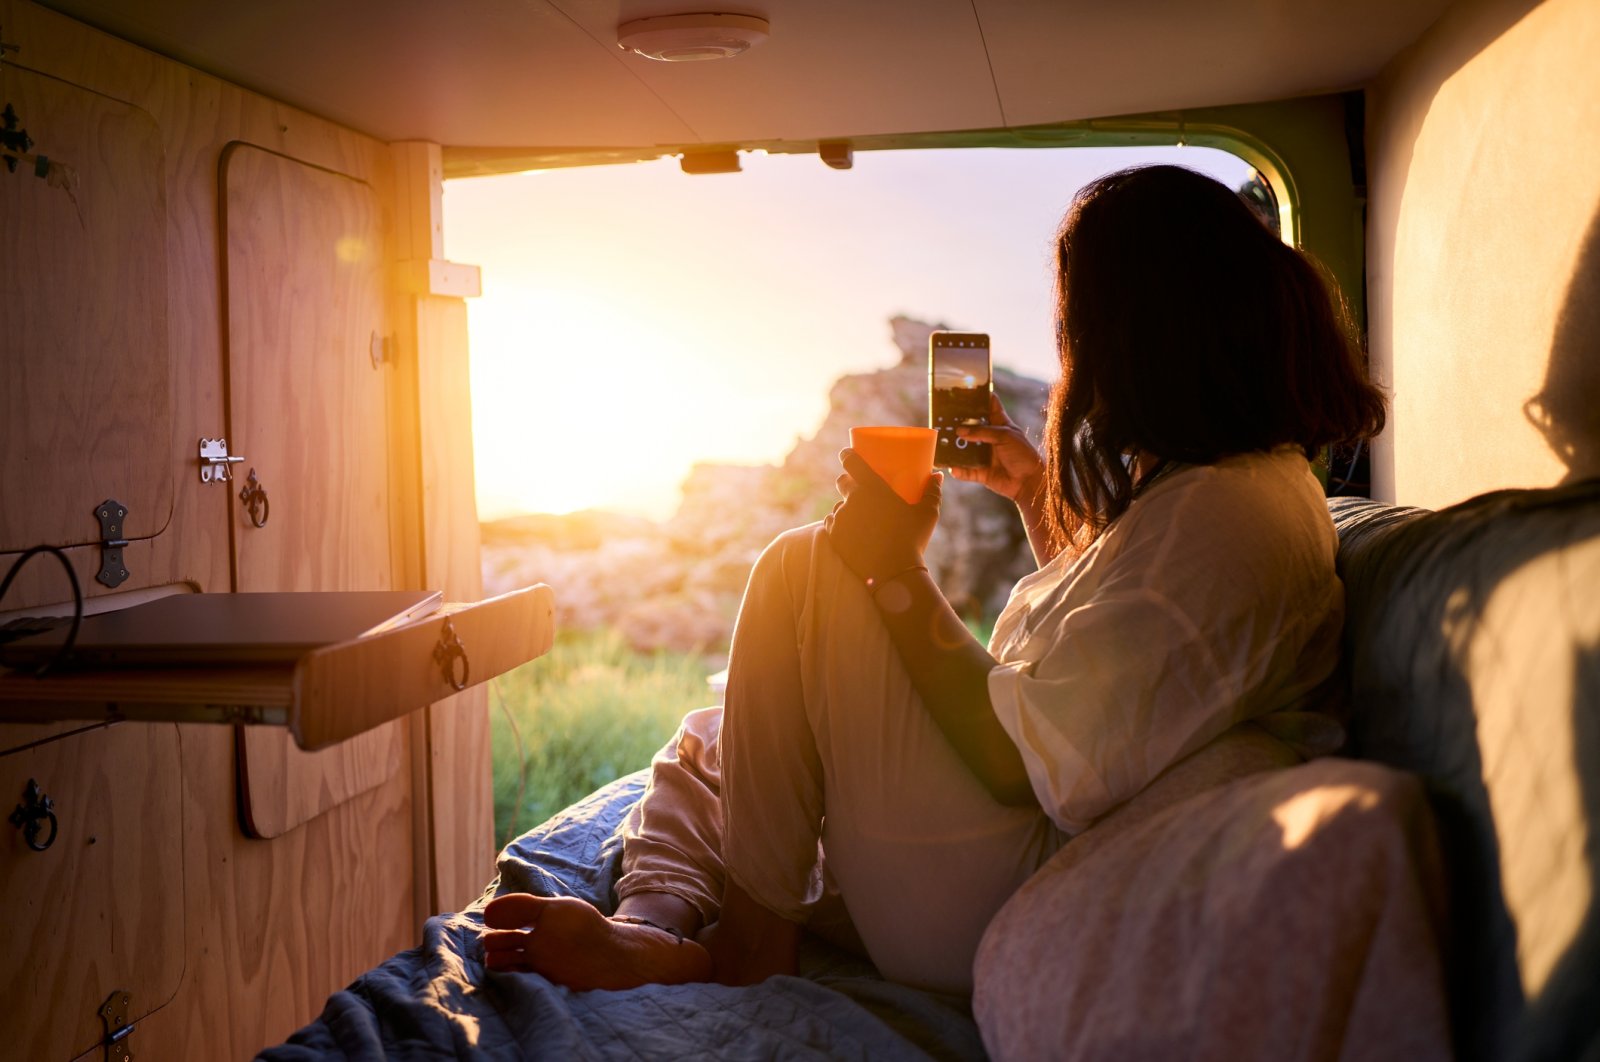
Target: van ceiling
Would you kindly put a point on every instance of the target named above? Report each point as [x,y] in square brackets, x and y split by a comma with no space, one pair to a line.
[549,74]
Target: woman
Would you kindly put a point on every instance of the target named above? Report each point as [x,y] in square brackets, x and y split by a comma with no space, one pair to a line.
[1185,586]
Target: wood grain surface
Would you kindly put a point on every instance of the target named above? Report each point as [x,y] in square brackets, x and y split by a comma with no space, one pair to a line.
[99,909]
[461,790]
[85,402]
[308,408]
[431,334]
[306,405]
[272,927]
[275,927]
[282,786]
[341,689]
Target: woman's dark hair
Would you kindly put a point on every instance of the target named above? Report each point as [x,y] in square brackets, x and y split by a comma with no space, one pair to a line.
[1187,331]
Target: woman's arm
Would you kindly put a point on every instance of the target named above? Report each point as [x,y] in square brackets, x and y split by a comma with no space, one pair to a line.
[950,671]
[882,539]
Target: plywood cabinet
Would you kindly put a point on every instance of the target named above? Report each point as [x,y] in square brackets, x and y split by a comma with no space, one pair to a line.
[222,268]
[95,911]
[308,407]
[308,382]
[85,395]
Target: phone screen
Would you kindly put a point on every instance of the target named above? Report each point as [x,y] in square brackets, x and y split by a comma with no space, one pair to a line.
[959,381]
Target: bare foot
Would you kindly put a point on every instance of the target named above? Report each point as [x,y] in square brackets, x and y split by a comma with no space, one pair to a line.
[573,944]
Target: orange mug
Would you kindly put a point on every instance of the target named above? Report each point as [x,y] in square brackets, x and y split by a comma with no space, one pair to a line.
[902,456]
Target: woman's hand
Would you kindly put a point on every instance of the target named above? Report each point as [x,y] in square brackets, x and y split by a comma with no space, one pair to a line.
[873,530]
[1016,471]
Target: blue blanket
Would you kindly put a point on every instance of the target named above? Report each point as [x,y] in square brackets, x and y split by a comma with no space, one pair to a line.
[438,1001]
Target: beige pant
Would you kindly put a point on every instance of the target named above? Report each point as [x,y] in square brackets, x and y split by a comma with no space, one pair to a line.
[823,739]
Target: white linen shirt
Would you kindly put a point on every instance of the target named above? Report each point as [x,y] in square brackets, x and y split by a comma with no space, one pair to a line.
[1210,601]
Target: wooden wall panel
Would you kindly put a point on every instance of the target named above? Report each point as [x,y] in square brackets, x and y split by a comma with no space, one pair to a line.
[282,786]
[198,116]
[450,505]
[85,403]
[98,909]
[432,338]
[273,927]
[461,794]
[461,772]
[306,268]
[307,405]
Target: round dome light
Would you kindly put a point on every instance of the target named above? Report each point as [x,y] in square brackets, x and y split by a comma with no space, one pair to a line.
[692,38]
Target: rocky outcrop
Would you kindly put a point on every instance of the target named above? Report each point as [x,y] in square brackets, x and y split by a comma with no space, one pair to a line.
[676,585]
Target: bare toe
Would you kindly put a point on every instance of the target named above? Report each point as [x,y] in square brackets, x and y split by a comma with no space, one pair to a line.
[514,910]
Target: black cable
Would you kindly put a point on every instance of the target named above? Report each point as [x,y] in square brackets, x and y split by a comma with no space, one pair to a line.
[77,599]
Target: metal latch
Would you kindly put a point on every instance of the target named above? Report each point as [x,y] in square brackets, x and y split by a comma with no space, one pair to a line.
[214,461]
[112,571]
[447,652]
[14,140]
[256,504]
[29,815]
[114,1012]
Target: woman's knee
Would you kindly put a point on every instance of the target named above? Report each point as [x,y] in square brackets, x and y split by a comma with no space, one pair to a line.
[788,557]
[795,543]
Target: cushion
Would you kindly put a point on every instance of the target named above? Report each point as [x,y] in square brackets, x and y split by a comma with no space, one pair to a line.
[1289,914]
[1472,641]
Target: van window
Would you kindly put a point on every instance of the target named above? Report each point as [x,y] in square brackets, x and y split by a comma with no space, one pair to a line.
[664,367]
[636,320]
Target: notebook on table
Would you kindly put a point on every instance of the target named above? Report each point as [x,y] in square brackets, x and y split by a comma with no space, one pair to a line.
[222,629]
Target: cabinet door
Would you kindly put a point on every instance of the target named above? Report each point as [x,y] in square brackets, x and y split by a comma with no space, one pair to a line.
[101,909]
[307,403]
[85,394]
[308,410]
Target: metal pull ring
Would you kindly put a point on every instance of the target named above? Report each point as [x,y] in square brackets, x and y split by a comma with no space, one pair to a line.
[256,504]
[447,652]
[31,813]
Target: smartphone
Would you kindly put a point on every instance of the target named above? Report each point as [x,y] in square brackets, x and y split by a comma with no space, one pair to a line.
[960,378]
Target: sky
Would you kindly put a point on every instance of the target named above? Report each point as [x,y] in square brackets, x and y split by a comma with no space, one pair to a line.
[636,320]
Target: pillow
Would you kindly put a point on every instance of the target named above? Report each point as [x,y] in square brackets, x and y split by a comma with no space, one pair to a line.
[1472,641]
[1290,914]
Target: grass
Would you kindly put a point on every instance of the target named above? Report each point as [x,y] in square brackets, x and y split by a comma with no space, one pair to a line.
[589,711]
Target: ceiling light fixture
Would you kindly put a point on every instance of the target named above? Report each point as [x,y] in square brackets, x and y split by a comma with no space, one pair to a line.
[692,38]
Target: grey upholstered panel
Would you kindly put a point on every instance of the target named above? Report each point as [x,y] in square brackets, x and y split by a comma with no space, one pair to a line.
[1473,651]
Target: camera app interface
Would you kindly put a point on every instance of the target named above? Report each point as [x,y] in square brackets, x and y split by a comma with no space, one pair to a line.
[959,394]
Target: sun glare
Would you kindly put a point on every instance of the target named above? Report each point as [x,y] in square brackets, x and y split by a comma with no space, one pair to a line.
[588,401]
